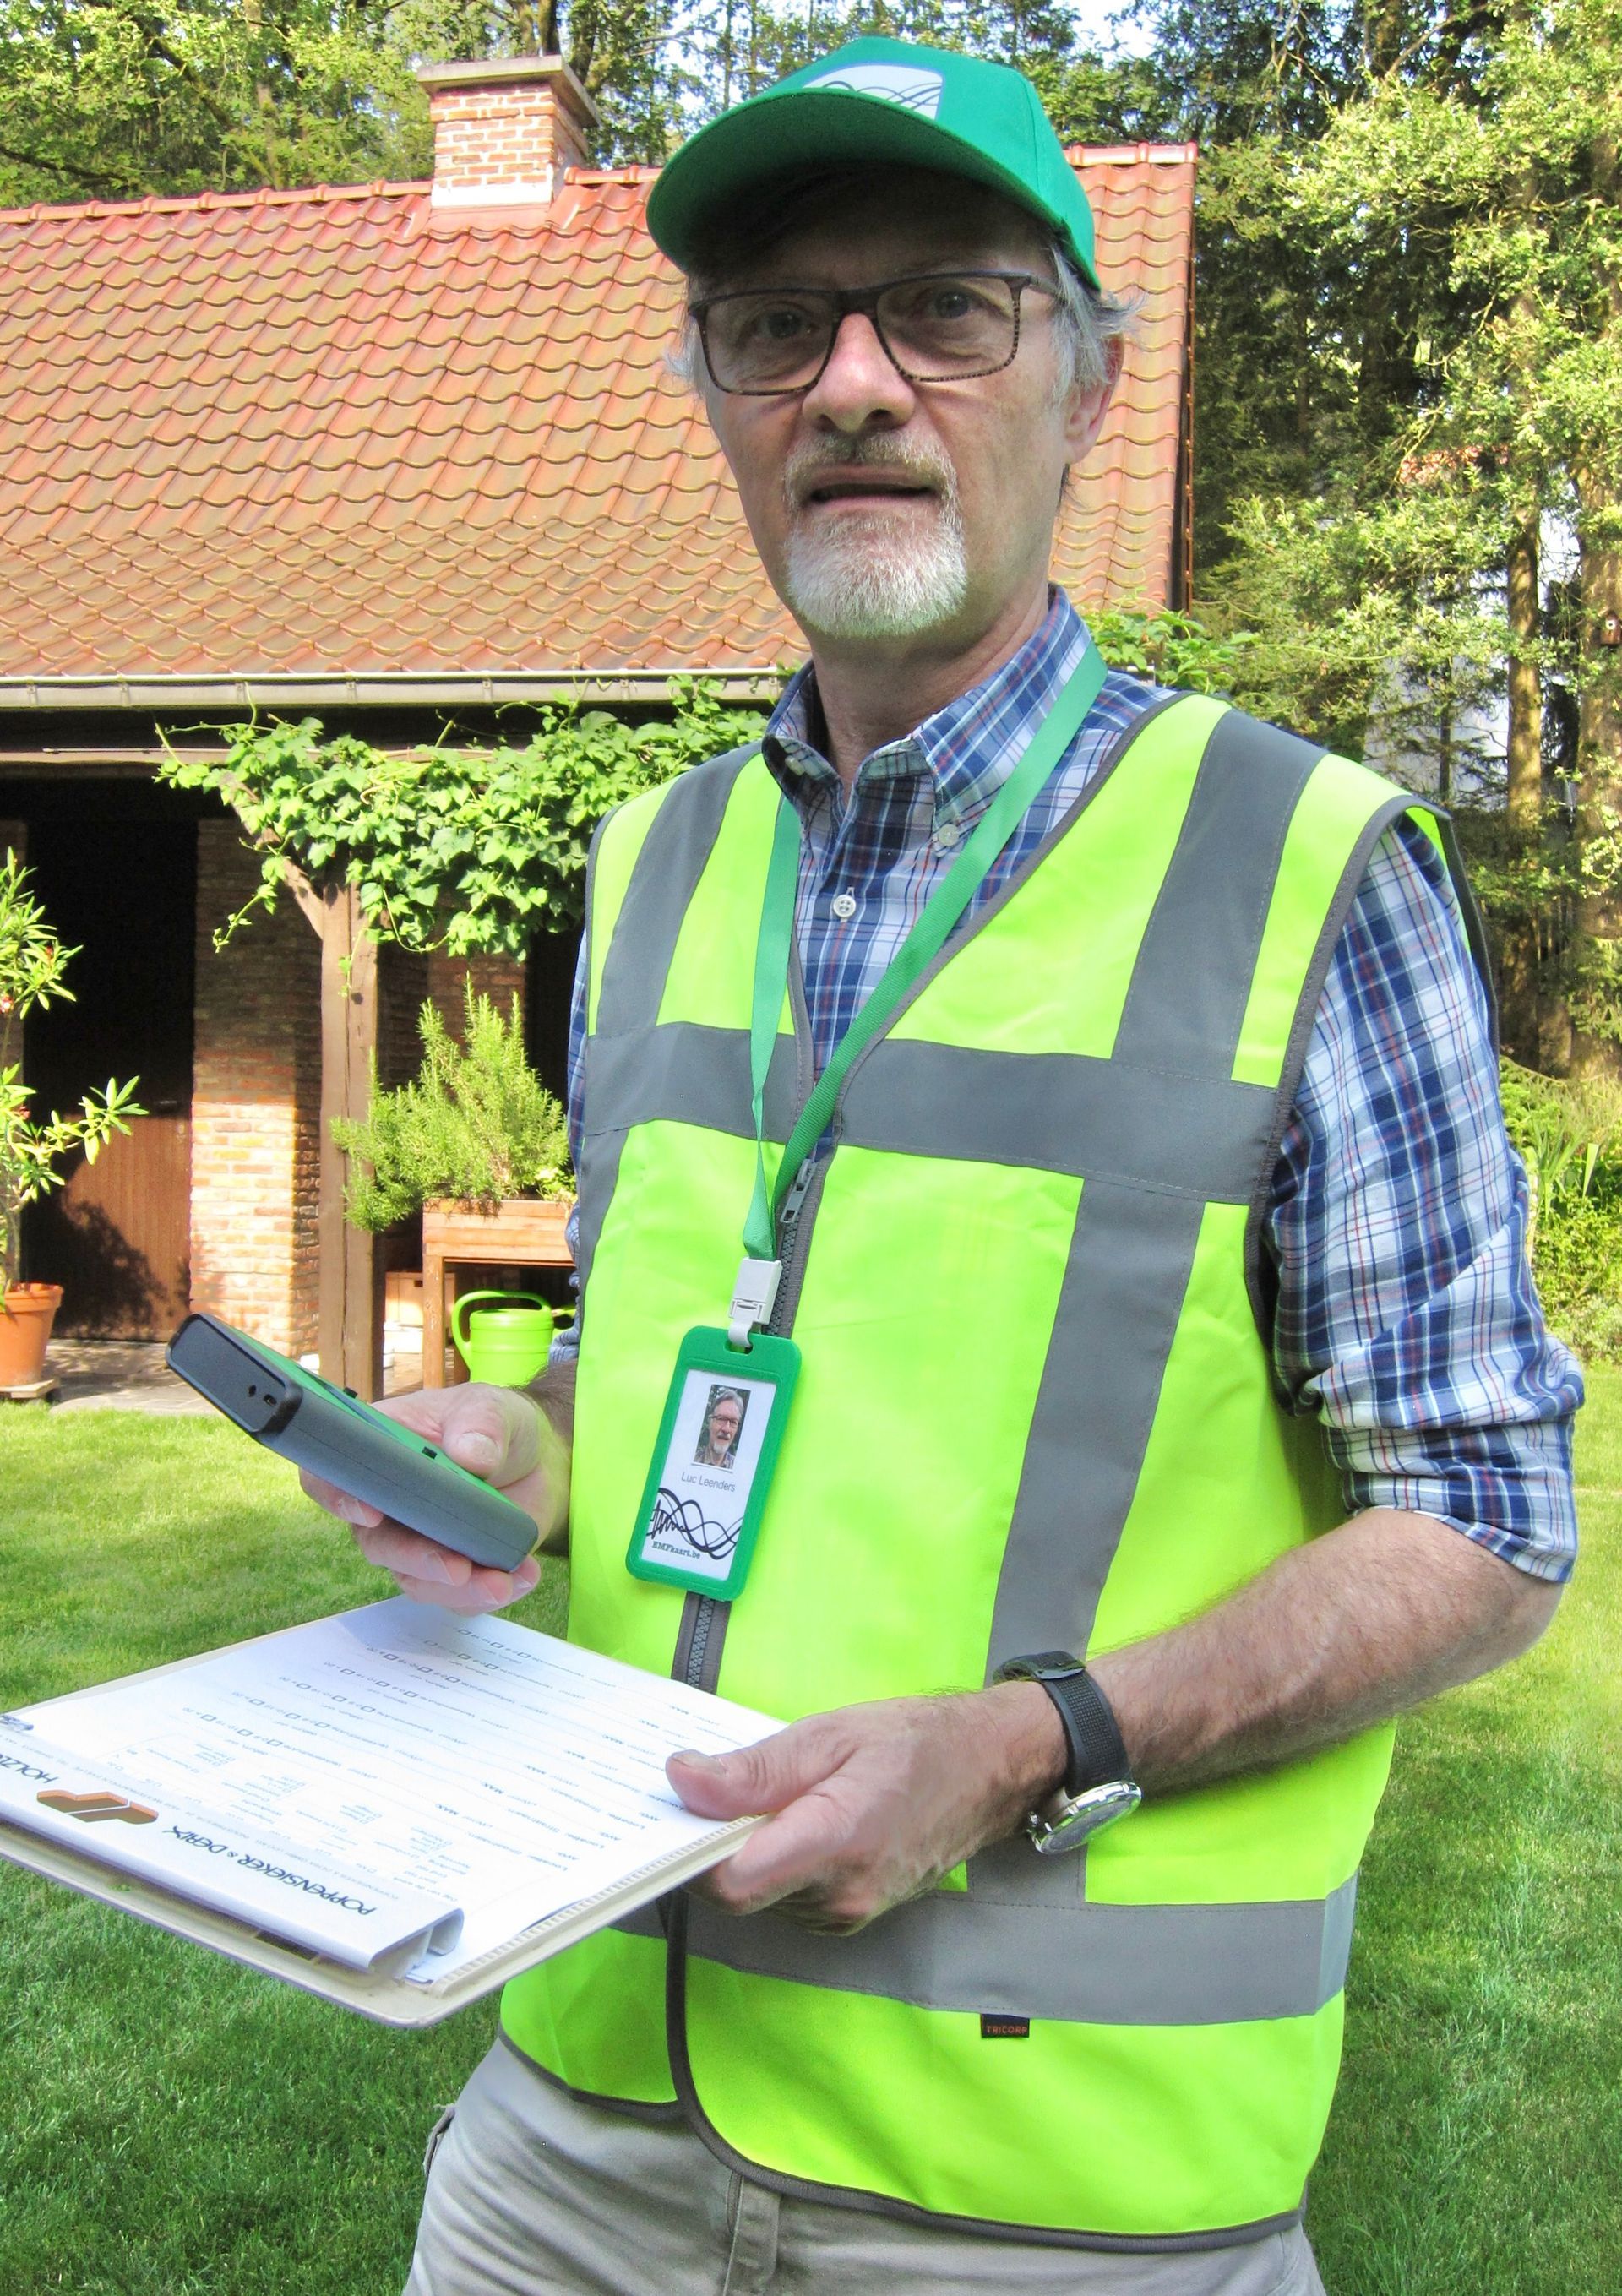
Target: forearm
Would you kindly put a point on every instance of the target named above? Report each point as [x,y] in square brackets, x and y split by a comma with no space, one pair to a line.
[553,1392]
[1390,1608]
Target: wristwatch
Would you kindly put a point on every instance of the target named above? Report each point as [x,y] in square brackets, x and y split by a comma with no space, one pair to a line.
[1098,1787]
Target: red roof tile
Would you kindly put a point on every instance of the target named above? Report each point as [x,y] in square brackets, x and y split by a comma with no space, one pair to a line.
[329,431]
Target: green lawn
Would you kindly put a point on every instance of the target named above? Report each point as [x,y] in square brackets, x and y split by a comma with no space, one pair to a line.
[174,2125]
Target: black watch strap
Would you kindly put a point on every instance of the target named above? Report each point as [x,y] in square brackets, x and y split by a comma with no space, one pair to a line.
[1097,1751]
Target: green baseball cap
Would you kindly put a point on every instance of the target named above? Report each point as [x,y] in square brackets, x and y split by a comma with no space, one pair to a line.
[884,101]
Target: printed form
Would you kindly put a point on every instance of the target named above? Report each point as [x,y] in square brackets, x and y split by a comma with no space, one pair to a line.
[393,1782]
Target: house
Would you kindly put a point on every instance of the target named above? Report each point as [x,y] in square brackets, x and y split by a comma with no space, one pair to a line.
[394,455]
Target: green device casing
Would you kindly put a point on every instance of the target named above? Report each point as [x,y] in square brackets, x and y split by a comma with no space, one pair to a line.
[331,1434]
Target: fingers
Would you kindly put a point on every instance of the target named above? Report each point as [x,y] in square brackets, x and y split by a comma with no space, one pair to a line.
[794,1775]
[810,1848]
[342,1504]
[431,1573]
[482,1590]
[765,1776]
[492,1432]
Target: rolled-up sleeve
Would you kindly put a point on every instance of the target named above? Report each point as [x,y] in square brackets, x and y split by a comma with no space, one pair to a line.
[1408,1319]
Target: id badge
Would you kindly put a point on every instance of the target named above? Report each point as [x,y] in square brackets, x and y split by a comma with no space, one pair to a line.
[712,1464]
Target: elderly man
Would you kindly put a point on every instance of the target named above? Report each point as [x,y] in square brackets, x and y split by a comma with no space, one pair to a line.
[1098,1088]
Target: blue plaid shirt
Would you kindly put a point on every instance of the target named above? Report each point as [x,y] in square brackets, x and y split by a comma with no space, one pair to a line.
[1406,1320]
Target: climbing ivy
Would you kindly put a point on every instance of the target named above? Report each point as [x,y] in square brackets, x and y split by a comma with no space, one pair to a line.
[475,850]
[469,850]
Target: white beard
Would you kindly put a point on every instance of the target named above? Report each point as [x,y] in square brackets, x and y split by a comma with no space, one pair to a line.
[872,574]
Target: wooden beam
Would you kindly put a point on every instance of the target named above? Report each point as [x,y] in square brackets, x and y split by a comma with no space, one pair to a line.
[350,1329]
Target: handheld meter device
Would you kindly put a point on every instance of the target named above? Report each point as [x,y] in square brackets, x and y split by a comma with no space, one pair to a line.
[333,1434]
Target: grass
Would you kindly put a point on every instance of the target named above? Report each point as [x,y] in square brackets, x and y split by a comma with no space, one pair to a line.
[177,2127]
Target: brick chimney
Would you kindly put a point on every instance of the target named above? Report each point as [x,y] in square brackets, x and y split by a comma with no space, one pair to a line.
[505,130]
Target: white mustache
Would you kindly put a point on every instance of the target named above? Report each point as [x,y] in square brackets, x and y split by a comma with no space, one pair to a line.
[807,463]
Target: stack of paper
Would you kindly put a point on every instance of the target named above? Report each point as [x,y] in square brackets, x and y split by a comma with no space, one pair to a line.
[394,1807]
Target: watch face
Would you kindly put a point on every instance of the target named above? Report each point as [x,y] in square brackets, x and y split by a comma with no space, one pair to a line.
[1082,1816]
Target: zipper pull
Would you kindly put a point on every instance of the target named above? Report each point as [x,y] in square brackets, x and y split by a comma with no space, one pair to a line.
[797,1194]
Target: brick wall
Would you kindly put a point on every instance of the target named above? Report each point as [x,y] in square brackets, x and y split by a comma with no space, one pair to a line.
[255,1106]
[500,979]
[505,131]
[402,990]
[406,981]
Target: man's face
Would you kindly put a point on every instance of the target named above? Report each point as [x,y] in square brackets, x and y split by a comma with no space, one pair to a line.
[886,509]
[723,1429]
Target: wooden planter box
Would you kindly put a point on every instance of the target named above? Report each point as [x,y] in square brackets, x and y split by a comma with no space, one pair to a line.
[519,1233]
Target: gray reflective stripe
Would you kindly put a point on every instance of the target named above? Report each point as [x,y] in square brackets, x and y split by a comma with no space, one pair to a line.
[1058,1112]
[684,1072]
[1061,1112]
[664,878]
[1192,980]
[1119,1302]
[1083,1965]
[644,1923]
[1132,1248]
[1132,1251]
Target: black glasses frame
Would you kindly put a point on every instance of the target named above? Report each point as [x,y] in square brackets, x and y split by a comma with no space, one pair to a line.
[864,299]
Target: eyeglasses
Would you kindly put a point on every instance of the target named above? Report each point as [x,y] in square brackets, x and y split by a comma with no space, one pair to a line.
[948,326]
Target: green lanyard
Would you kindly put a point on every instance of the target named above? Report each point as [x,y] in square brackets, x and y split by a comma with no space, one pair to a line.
[942,910]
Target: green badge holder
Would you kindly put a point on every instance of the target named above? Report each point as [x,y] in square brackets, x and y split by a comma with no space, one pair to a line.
[689,1531]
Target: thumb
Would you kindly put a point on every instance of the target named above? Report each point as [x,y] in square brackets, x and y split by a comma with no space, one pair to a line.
[492,1431]
[754,1779]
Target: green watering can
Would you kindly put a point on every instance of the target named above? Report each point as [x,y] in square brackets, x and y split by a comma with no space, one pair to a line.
[507,1345]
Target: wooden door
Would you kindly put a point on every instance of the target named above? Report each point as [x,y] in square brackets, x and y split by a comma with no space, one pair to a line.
[118,1236]
[122,894]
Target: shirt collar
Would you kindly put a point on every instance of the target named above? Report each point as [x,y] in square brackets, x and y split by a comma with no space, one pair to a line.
[968,748]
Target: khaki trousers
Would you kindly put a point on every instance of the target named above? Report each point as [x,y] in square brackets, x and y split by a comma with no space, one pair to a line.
[531,2192]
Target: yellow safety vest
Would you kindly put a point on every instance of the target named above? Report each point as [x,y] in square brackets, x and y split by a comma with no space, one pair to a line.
[1036,1410]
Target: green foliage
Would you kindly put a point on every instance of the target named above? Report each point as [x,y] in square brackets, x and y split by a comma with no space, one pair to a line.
[476,1124]
[32,962]
[1569,1136]
[1172,650]
[116,98]
[1578,1266]
[466,849]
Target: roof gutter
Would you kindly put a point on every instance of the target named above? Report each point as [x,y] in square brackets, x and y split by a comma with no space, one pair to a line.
[376,689]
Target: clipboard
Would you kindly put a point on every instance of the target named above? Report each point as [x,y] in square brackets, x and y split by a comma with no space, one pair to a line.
[381,1992]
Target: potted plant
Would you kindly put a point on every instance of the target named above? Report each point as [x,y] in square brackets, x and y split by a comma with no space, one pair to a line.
[476,1144]
[32,962]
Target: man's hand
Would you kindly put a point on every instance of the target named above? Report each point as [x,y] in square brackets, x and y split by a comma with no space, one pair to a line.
[874,1803]
[499,1433]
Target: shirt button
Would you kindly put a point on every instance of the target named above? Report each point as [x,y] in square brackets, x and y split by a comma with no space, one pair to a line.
[844,904]
[948,835]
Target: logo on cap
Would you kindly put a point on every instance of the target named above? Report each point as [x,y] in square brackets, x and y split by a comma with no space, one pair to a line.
[903,84]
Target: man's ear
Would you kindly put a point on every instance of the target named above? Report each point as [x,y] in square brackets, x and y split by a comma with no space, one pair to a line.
[1086,410]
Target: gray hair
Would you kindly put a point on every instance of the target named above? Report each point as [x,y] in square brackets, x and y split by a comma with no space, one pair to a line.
[1085,321]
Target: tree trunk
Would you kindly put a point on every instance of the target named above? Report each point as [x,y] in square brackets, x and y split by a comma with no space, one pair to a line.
[1595,1048]
[1525,756]
[1517,955]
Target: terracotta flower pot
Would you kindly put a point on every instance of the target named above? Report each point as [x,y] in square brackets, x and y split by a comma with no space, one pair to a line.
[27,1314]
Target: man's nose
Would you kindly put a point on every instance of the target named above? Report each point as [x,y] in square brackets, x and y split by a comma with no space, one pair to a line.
[861,384]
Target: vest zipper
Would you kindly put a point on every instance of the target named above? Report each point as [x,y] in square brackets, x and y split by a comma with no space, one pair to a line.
[793,1223]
